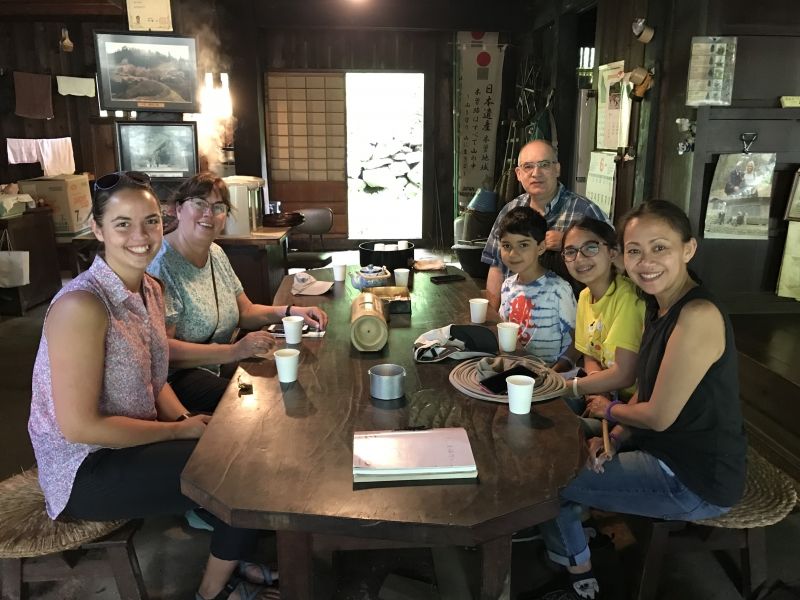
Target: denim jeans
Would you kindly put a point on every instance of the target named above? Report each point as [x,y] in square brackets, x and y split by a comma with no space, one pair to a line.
[633,483]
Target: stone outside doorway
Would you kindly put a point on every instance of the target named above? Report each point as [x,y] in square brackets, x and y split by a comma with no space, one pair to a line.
[384,155]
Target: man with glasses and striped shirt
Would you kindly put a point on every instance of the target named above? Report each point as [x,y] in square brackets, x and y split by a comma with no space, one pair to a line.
[538,170]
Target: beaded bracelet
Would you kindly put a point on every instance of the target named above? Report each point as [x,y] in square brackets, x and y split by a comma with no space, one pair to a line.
[608,415]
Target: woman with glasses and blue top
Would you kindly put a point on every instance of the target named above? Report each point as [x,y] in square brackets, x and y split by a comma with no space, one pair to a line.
[205,301]
[109,434]
[609,319]
[679,446]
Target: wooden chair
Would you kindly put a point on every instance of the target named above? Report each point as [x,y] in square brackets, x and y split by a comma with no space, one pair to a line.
[26,531]
[317,222]
[769,496]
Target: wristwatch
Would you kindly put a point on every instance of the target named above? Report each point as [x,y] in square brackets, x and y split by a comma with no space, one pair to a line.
[289,310]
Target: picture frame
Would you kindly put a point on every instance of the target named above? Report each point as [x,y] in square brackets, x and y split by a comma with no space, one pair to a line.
[165,151]
[146,71]
[793,206]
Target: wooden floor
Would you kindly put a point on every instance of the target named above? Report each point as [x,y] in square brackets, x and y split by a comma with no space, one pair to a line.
[771,340]
[769,354]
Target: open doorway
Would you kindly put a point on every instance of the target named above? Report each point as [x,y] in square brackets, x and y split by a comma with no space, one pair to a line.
[384,155]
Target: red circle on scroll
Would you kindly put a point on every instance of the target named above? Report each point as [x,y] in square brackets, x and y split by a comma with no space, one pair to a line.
[483,59]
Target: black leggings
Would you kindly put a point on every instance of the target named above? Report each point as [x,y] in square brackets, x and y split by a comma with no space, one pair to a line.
[198,390]
[144,481]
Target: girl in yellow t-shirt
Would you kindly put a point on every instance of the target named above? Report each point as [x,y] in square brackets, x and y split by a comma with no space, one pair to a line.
[610,316]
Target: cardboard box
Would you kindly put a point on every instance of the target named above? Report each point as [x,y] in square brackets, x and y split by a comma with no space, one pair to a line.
[67,195]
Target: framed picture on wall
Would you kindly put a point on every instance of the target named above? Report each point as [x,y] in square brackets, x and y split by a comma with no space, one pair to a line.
[162,150]
[793,206]
[146,72]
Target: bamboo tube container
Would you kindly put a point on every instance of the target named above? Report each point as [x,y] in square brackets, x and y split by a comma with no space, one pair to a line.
[368,329]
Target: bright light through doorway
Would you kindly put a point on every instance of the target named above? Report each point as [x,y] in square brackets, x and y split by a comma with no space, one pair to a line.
[384,155]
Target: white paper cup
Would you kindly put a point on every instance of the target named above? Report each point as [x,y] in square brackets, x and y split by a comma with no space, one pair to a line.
[520,393]
[379,247]
[477,310]
[401,277]
[293,327]
[402,245]
[339,272]
[507,336]
[287,360]
[390,247]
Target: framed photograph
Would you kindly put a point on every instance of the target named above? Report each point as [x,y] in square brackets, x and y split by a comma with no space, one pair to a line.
[793,206]
[162,150]
[142,71]
[740,196]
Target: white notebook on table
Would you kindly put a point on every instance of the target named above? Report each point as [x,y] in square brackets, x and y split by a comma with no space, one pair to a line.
[427,454]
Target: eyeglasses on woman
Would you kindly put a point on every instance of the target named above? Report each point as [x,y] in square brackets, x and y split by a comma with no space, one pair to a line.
[202,205]
[588,249]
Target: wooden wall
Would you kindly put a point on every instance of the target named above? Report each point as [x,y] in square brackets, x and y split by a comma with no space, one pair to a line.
[32,46]
[742,272]
[29,37]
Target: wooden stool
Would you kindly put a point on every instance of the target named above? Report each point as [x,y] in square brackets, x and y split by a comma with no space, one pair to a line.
[26,531]
[769,495]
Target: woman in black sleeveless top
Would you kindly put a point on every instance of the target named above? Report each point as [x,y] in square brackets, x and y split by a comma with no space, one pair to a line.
[683,455]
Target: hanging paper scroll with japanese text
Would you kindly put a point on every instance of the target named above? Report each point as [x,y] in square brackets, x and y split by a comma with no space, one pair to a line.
[480,85]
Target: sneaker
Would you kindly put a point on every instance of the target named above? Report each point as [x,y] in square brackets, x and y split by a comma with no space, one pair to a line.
[526,535]
[195,521]
[587,588]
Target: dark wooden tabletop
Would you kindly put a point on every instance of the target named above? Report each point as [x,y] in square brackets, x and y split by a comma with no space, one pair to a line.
[281,458]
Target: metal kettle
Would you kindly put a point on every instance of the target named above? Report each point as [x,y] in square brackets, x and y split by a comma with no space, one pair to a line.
[247,204]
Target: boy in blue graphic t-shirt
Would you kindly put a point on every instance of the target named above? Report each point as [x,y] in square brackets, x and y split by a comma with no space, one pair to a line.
[540,301]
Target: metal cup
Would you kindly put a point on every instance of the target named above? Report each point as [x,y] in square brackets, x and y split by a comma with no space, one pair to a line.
[387,382]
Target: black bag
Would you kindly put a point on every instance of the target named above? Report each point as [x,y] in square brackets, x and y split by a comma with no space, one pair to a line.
[776,590]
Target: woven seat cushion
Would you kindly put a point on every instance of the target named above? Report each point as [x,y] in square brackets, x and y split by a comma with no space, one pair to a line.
[769,495]
[27,531]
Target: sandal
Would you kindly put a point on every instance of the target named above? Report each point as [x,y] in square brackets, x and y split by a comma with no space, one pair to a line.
[267,575]
[246,591]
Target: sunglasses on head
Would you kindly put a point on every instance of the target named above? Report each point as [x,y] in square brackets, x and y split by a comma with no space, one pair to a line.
[112,180]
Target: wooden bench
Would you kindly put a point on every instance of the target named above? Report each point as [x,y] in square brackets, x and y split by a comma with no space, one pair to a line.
[769,496]
[26,532]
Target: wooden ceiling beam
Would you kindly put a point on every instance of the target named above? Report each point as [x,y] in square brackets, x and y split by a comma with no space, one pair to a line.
[421,15]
